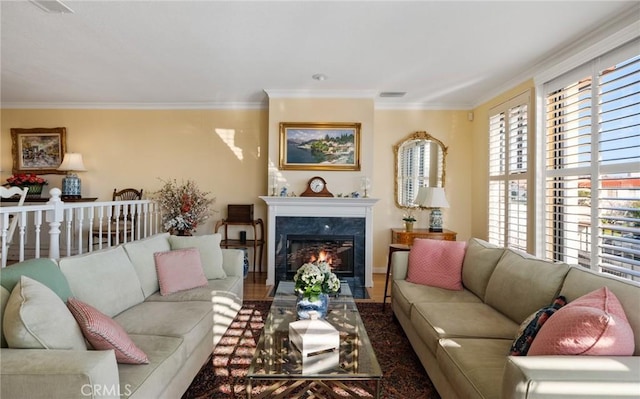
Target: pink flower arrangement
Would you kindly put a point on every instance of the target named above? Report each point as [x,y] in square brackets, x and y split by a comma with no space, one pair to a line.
[25,179]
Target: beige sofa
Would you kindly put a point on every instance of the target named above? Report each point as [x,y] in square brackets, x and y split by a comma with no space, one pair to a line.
[177,332]
[463,337]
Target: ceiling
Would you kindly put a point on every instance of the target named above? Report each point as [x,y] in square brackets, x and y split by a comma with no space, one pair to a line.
[199,54]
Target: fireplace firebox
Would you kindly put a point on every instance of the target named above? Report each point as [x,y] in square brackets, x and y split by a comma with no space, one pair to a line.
[336,250]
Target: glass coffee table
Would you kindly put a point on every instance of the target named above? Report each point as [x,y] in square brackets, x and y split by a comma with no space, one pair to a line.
[352,370]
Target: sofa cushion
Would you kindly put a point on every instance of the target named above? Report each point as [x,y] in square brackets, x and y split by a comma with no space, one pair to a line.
[594,324]
[229,284]
[36,318]
[179,270]
[103,279]
[210,251]
[433,321]
[141,254]
[43,270]
[405,294]
[531,326]
[522,284]
[103,333]
[474,367]
[167,356]
[480,260]
[437,263]
[581,281]
[191,321]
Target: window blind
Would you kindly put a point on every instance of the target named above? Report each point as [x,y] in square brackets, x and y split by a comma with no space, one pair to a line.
[508,173]
[592,165]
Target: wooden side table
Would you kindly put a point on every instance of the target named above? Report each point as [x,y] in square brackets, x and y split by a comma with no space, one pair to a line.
[256,242]
[401,240]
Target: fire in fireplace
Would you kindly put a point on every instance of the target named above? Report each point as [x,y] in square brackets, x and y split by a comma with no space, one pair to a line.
[336,250]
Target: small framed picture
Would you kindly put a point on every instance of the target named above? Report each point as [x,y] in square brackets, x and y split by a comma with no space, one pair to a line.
[319,146]
[39,150]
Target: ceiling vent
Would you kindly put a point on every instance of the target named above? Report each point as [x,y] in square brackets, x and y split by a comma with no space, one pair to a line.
[393,94]
[52,6]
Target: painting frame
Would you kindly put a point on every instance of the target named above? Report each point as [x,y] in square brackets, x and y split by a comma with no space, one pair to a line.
[50,144]
[293,155]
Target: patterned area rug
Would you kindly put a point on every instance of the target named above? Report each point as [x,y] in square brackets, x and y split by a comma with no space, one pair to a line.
[224,376]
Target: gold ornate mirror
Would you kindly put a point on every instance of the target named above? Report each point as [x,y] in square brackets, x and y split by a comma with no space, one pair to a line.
[419,161]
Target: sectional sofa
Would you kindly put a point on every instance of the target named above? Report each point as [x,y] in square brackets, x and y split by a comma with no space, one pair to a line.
[176,331]
[463,337]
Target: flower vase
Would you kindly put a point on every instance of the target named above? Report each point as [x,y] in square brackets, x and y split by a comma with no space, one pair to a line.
[305,305]
[184,233]
[35,190]
[408,226]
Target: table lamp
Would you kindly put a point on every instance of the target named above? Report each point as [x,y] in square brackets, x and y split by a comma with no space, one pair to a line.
[434,199]
[71,185]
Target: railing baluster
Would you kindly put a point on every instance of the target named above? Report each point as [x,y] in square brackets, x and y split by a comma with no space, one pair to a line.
[69,222]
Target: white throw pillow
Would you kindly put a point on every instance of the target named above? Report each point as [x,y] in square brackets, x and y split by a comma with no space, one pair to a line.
[210,252]
[36,318]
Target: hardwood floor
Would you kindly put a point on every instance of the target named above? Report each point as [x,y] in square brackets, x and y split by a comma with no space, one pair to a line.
[255,289]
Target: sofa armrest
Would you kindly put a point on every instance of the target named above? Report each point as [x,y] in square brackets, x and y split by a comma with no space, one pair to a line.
[42,373]
[399,264]
[233,262]
[571,377]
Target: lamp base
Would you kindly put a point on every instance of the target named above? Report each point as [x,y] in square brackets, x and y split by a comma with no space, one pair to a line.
[71,187]
[435,221]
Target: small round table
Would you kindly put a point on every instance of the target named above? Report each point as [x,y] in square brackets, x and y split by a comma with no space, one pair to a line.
[392,248]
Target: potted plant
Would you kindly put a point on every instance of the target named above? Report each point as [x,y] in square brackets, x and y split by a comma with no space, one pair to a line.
[183,206]
[313,284]
[409,220]
[33,182]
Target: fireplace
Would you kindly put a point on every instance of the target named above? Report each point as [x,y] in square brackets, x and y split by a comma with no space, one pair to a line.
[301,239]
[323,219]
[336,250]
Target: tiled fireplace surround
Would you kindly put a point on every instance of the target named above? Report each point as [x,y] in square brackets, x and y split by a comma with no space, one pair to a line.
[320,217]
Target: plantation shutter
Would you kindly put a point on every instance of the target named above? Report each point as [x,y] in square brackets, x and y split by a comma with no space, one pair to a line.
[508,173]
[592,166]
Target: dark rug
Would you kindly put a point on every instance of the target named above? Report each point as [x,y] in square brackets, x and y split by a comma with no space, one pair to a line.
[224,375]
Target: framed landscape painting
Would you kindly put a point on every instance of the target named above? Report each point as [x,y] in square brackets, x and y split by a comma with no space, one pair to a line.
[319,146]
[39,150]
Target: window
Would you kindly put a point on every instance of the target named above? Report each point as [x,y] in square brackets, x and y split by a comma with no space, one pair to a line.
[508,173]
[592,165]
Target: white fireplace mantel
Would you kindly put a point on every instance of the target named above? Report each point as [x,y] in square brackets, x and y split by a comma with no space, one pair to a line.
[319,207]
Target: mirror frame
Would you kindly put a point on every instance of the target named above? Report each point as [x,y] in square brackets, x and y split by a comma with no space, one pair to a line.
[420,135]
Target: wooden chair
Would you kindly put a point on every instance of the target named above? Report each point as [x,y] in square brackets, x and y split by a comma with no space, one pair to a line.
[122,220]
[6,241]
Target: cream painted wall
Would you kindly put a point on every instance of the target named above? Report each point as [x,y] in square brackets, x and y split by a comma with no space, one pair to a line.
[322,110]
[228,152]
[479,172]
[224,151]
[451,127]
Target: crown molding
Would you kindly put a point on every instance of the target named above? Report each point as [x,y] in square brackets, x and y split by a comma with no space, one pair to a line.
[310,93]
[141,106]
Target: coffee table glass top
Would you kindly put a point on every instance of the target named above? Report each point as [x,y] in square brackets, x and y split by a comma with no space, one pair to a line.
[276,358]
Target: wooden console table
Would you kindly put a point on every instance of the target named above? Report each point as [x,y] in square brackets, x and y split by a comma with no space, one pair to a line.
[256,242]
[401,240]
[401,236]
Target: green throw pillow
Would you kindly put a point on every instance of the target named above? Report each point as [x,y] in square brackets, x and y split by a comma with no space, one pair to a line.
[43,270]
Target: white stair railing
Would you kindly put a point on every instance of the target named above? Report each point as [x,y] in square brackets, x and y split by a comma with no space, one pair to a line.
[58,229]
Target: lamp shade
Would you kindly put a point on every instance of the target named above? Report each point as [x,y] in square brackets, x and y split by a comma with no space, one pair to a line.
[432,197]
[72,162]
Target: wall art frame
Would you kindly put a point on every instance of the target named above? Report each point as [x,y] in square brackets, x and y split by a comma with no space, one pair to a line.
[320,146]
[38,150]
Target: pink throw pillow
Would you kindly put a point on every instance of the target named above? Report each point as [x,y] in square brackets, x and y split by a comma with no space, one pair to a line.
[179,270]
[594,324]
[437,263]
[104,333]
